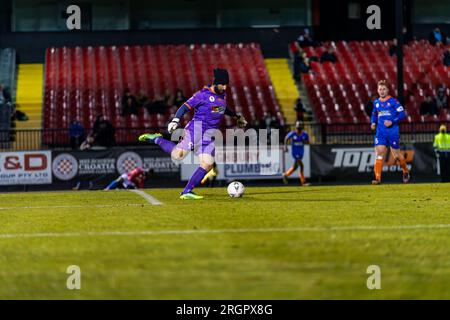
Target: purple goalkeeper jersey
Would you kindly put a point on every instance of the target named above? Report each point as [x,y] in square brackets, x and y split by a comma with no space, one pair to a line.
[209,109]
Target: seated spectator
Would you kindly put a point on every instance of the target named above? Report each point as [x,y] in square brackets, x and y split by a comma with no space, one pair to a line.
[104,132]
[179,98]
[129,103]
[142,100]
[446,59]
[441,99]
[428,106]
[168,98]
[369,106]
[157,106]
[393,48]
[305,64]
[436,37]
[299,109]
[255,124]
[76,134]
[328,55]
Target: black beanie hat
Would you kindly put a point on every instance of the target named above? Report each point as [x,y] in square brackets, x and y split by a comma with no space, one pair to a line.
[221,76]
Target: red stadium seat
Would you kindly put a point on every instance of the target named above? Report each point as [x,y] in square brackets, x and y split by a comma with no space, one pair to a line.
[84,82]
[339,91]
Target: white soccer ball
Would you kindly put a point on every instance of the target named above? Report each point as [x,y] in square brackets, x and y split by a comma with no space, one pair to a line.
[235,189]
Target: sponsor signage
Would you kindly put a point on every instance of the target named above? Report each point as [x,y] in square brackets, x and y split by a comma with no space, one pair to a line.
[22,168]
[109,164]
[252,164]
[354,162]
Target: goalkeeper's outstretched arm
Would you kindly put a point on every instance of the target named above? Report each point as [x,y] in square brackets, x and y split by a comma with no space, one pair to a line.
[241,122]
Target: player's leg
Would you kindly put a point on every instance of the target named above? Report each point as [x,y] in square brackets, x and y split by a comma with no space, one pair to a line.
[301,173]
[402,161]
[166,145]
[206,164]
[290,171]
[380,153]
[114,184]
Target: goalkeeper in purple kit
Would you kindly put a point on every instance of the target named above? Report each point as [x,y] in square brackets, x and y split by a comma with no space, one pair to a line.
[209,105]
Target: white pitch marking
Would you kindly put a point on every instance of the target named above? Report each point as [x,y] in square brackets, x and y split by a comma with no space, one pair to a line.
[74,206]
[220,231]
[146,196]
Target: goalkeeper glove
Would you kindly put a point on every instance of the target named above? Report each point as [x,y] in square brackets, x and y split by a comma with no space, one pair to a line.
[241,122]
[173,125]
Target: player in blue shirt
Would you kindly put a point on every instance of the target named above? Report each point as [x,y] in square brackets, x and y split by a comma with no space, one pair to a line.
[387,113]
[298,139]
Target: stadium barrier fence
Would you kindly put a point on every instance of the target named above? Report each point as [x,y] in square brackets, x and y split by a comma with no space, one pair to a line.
[325,134]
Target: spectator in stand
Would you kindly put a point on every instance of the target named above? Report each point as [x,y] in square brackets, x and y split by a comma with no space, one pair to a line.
[76,134]
[129,103]
[87,144]
[328,55]
[428,106]
[441,99]
[5,95]
[157,106]
[299,109]
[168,98]
[393,48]
[305,63]
[104,132]
[297,56]
[255,124]
[179,98]
[305,40]
[446,58]
[270,121]
[369,106]
[142,100]
[436,37]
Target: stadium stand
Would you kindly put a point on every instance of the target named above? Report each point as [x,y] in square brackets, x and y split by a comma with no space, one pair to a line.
[83,82]
[339,91]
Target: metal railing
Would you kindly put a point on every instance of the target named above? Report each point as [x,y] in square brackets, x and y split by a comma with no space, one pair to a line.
[34,139]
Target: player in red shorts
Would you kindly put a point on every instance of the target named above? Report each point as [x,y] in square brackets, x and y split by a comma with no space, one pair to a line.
[131,180]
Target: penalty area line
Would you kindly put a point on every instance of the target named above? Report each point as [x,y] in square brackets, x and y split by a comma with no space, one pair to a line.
[150,199]
[221,231]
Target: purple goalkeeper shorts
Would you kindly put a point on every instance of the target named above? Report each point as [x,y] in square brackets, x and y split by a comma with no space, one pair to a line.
[199,143]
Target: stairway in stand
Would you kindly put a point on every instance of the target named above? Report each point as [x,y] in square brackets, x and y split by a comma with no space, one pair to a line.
[29,101]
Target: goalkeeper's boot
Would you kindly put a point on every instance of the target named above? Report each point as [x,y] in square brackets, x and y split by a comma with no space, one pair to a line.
[376,182]
[149,137]
[406,177]
[285,179]
[190,196]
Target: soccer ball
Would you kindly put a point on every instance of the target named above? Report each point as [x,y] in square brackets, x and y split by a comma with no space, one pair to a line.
[235,189]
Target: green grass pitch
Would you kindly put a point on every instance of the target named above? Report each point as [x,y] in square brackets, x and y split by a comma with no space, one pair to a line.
[274,243]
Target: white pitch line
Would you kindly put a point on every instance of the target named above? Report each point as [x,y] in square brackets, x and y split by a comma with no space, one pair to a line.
[221,231]
[73,206]
[146,196]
